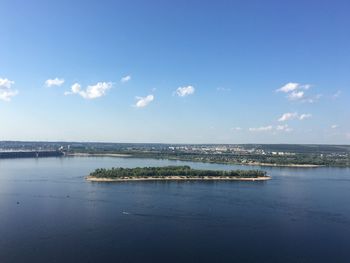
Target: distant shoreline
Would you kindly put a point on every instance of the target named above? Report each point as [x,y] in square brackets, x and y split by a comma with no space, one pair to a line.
[176,178]
[179,159]
[284,165]
[99,155]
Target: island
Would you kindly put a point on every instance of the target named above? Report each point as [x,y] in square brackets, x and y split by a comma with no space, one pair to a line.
[174,173]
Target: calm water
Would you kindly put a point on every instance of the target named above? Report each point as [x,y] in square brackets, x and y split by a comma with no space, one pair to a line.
[49,213]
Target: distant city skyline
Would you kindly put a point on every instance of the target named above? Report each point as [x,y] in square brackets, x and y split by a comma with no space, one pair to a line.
[186,72]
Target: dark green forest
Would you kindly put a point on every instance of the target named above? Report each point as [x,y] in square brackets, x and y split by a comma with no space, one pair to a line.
[185,171]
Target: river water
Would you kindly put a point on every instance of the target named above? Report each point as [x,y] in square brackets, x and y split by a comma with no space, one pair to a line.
[50,213]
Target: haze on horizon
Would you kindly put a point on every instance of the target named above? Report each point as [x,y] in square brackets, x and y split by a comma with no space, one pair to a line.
[175,72]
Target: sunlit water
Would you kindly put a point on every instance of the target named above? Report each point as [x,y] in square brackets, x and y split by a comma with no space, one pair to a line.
[49,213]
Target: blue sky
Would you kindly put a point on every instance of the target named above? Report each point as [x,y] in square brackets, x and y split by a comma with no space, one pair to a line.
[175,71]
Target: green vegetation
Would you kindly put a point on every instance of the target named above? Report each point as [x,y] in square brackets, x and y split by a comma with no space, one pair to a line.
[183,171]
[279,154]
[297,159]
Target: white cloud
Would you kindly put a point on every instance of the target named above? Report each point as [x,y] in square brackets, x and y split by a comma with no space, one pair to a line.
[54,82]
[312,99]
[96,91]
[305,86]
[334,126]
[236,129]
[296,95]
[144,101]
[6,83]
[76,87]
[305,116]
[291,86]
[288,116]
[125,79]
[185,91]
[272,129]
[296,91]
[294,115]
[91,92]
[284,128]
[6,91]
[261,129]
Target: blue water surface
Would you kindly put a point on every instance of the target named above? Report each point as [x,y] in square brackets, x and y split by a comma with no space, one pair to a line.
[50,213]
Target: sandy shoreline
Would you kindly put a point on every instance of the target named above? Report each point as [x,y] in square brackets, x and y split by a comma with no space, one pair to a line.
[176,178]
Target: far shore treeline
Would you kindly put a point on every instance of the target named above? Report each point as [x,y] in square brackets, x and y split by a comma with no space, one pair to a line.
[184,171]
